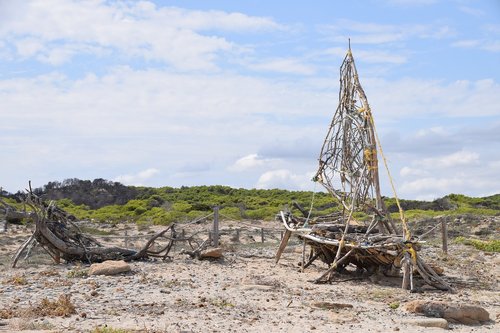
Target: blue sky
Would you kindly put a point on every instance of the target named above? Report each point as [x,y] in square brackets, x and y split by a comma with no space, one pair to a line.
[241,93]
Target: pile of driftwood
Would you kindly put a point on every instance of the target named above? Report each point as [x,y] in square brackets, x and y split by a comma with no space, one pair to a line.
[58,234]
[348,169]
[370,251]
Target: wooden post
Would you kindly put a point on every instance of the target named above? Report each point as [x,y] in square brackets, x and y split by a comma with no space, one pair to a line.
[303,256]
[444,235]
[216,226]
[6,214]
[262,235]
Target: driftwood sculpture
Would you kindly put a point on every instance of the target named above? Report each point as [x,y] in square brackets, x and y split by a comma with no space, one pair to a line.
[56,232]
[348,169]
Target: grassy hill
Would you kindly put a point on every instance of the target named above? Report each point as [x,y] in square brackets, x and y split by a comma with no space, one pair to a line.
[105,201]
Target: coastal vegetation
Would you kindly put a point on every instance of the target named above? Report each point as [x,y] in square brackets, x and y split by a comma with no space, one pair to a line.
[105,201]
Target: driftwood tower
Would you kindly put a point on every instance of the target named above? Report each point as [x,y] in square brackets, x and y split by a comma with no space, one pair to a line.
[348,169]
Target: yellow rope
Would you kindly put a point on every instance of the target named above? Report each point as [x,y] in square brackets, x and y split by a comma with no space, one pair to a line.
[407,234]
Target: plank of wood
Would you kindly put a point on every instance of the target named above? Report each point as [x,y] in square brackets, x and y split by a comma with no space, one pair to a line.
[283,244]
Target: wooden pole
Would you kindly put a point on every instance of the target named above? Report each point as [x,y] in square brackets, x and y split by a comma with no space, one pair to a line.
[262,235]
[406,271]
[444,235]
[216,226]
[303,255]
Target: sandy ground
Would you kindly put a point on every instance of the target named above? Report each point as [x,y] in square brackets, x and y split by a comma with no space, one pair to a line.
[244,292]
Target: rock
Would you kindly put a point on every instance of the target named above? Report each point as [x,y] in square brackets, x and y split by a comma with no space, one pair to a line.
[428,322]
[465,314]
[214,253]
[109,267]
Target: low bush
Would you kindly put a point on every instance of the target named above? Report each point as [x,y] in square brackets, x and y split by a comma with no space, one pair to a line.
[486,245]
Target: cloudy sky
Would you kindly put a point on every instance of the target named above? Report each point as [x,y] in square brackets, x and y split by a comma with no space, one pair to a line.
[241,93]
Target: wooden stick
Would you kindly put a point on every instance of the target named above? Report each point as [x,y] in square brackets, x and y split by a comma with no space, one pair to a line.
[283,243]
[444,235]
[334,266]
[21,249]
[312,259]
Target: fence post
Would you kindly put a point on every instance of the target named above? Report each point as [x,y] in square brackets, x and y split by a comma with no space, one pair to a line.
[444,235]
[216,226]
[262,235]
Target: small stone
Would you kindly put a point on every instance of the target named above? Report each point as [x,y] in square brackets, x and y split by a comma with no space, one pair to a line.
[215,253]
[465,314]
[428,322]
[109,267]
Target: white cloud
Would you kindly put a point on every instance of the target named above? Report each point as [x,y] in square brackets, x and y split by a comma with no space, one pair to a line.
[408,171]
[412,2]
[432,97]
[492,46]
[144,84]
[28,46]
[439,130]
[55,31]
[377,33]
[98,121]
[460,172]
[482,44]
[457,159]
[371,56]
[138,178]
[283,65]
[471,11]
[248,162]
[215,20]
[433,184]
[430,188]
[286,179]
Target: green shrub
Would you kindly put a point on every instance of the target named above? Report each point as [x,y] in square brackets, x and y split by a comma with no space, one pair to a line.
[486,246]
